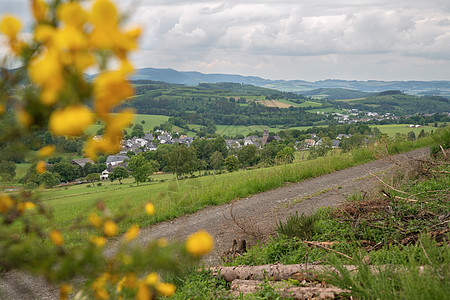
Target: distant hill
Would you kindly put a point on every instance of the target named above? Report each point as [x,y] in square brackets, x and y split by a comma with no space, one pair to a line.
[336,93]
[297,86]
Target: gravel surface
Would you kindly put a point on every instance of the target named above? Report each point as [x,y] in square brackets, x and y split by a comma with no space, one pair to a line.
[251,218]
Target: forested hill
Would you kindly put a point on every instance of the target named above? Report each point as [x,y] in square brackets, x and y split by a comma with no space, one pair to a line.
[194,78]
[223,104]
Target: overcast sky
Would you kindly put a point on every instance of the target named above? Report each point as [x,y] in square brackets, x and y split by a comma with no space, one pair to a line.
[292,39]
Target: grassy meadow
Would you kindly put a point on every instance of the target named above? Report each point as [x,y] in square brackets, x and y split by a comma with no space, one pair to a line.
[174,198]
[392,129]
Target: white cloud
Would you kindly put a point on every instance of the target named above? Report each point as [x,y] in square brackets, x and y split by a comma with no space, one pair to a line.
[276,39]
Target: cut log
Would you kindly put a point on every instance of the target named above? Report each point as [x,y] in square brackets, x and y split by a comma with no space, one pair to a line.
[271,272]
[243,287]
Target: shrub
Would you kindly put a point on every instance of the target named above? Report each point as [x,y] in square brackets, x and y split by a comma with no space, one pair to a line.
[301,226]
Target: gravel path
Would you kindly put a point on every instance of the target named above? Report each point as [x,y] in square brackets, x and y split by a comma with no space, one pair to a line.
[254,217]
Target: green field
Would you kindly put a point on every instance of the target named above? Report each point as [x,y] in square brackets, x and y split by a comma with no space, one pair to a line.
[232,130]
[327,110]
[392,129]
[310,103]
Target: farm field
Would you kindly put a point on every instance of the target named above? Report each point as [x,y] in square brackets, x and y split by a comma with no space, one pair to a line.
[392,129]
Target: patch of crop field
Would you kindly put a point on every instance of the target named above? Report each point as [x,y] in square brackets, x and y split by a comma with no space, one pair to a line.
[326,110]
[233,130]
[310,103]
[274,103]
[350,100]
[392,129]
[150,121]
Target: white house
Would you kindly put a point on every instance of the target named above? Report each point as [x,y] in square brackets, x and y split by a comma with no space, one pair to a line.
[104,175]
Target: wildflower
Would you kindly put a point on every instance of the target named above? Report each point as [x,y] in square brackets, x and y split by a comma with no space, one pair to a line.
[99,241]
[151,279]
[149,208]
[29,205]
[39,8]
[199,243]
[10,26]
[72,14]
[95,220]
[166,289]
[132,233]
[120,284]
[70,121]
[40,167]
[56,237]
[64,291]
[46,151]
[110,228]
[143,292]
[6,202]
[24,118]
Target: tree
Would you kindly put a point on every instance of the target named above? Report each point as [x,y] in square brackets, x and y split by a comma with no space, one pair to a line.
[67,171]
[93,177]
[119,173]
[140,168]
[247,155]
[182,160]
[47,179]
[285,155]
[216,161]
[411,136]
[7,170]
[232,163]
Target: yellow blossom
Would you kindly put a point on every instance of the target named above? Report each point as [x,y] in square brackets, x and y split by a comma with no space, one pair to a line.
[110,88]
[70,38]
[131,281]
[70,121]
[132,233]
[110,228]
[40,167]
[199,243]
[95,220]
[64,291]
[99,241]
[10,26]
[104,13]
[56,237]
[29,205]
[44,33]
[143,292]
[162,242]
[24,118]
[102,294]
[120,284]
[2,108]
[151,279]
[166,289]
[46,151]
[149,208]
[72,14]
[40,9]
[126,259]
[6,202]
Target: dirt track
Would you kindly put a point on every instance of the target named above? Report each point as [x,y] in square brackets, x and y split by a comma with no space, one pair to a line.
[257,214]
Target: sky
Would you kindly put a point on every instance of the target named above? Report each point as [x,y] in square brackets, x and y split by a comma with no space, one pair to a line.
[290,39]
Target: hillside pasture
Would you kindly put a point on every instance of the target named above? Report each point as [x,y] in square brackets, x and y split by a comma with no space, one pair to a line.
[392,129]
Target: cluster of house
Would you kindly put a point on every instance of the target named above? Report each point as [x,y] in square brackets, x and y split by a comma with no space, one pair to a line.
[351,116]
[315,141]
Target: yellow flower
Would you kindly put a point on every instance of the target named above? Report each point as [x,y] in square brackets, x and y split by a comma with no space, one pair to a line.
[6,202]
[70,121]
[162,242]
[70,38]
[95,220]
[10,26]
[29,205]
[40,167]
[64,291]
[131,281]
[120,284]
[126,259]
[2,108]
[166,289]
[110,228]
[104,13]
[151,279]
[40,9]
[132,233]
[143,292]
[149,208]
[56,237]
[44,33]
[199,243]
[99,241]
[24,118]
[110,88]
[72,14]
[46,151]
